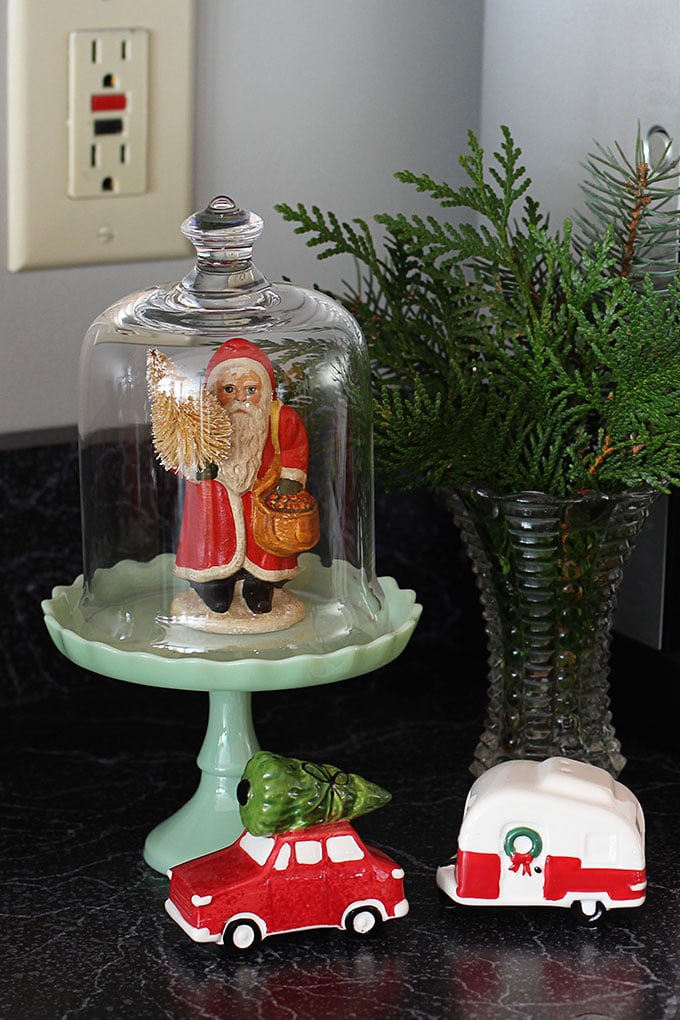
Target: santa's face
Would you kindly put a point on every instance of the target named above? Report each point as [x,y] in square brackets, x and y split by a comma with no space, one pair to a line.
[236,389]
[246,397]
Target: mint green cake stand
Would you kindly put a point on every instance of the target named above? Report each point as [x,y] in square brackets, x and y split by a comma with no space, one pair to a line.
[210,819]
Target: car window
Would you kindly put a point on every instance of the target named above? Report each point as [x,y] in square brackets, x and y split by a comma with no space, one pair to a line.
[282,858]
[343,848]
[257,847]
[308,851]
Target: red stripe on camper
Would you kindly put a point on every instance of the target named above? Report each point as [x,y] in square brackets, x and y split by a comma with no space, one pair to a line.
[567,875]
[479,875]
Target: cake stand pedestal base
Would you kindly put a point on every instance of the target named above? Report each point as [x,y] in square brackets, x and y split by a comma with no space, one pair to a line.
[210,819]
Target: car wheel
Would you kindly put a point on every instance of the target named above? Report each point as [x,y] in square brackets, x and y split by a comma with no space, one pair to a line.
[363,921]
[588,912]
[242,934]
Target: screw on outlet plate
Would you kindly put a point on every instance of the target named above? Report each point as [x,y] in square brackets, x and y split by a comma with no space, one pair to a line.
[105,233]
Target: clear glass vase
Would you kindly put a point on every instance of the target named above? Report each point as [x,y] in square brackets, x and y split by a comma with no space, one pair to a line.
[549,570]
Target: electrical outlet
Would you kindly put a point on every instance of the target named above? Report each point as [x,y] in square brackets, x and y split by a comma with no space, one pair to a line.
[107,118]
[100,130]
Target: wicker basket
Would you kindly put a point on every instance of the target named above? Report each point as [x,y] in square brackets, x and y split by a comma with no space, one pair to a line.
[285,532]
[283,525]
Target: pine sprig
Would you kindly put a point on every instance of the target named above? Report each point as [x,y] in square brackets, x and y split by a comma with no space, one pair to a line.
[513,355]
[639,203]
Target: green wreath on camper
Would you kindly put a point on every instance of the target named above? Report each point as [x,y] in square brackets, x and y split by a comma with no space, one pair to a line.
[522,859]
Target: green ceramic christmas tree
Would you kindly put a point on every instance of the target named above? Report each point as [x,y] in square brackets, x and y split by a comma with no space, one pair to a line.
[279,794]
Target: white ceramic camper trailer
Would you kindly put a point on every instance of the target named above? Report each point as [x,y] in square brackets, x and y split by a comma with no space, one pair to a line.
[556,833]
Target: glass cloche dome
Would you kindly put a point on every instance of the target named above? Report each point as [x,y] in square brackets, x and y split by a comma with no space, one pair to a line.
[226,464]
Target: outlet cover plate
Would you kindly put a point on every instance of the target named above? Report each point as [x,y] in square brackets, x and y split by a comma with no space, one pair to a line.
[108,113]
[47,227]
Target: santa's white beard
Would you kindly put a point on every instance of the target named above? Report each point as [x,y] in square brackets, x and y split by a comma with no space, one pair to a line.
[250,426]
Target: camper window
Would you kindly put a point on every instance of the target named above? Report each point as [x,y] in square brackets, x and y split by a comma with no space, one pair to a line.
[600,848]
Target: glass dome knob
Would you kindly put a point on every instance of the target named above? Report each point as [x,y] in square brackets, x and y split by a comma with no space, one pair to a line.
[222,233]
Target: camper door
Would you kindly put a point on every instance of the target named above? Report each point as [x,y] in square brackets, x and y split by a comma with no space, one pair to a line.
[522,865]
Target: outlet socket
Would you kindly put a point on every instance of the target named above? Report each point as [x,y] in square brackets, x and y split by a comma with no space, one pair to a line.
[58,213]
[108,112]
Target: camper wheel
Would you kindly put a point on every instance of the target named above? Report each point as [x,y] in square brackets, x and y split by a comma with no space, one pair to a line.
[588,912]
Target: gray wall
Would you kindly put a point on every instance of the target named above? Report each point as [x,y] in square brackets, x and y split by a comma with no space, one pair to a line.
[565,72]
[317,101]
[296,100]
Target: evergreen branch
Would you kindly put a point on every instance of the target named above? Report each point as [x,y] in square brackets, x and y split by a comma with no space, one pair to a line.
[509,353]
[630,196]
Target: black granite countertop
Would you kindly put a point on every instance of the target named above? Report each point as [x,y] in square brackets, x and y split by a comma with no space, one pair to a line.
[90,765]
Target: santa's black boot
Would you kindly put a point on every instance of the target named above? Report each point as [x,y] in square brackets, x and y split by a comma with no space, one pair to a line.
[258,595]
[217,595]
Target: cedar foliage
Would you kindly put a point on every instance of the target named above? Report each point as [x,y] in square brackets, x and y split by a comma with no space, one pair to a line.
[511,354]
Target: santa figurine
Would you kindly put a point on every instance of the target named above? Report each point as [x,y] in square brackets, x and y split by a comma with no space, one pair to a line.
[216,548]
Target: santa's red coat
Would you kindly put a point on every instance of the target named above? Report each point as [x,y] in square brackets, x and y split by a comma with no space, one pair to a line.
[216,538]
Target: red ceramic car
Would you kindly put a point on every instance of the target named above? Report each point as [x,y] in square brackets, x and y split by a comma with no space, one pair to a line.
[320,877]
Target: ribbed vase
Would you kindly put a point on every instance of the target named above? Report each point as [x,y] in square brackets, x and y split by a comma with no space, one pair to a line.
[549,571]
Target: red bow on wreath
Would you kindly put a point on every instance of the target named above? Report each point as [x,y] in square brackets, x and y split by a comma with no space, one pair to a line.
[522,861]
